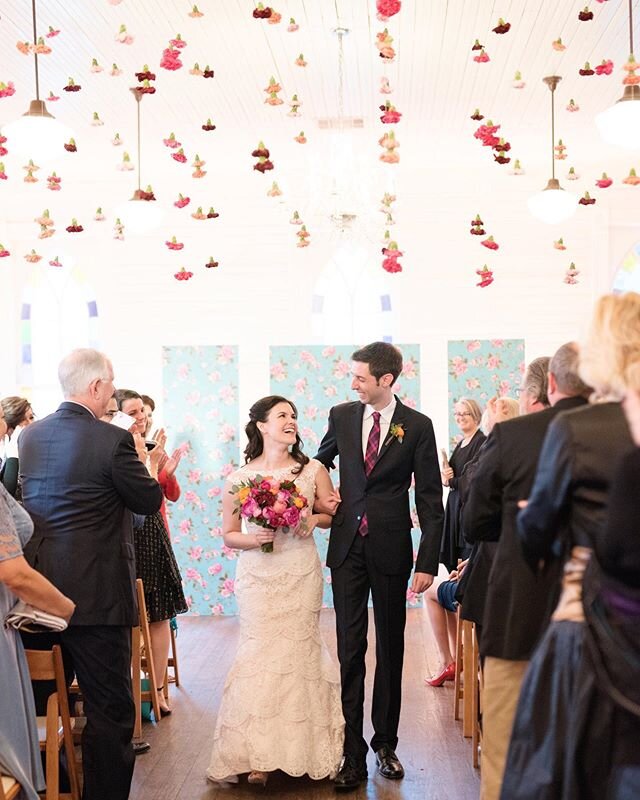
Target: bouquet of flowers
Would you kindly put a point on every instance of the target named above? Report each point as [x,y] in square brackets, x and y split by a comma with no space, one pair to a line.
[271,504]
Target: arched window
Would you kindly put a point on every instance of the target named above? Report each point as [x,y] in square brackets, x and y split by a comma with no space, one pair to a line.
[351,300]
[59,313]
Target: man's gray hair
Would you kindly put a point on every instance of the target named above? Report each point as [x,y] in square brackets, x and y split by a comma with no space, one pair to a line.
[536,380]
[564,367]
[80,368]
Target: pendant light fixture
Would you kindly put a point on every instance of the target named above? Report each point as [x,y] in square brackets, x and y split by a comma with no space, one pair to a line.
[142,213]
[553,204]
[37,134]
[620,124]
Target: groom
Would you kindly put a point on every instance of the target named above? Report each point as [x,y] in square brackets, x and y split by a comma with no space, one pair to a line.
[381,444]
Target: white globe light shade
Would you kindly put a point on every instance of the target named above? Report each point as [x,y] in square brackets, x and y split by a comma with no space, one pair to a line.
[553,204]
[36,135]
[140,216]
[620,124]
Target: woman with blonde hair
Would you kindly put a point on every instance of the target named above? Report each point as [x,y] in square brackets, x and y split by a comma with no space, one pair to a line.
[567,511]
[467,414]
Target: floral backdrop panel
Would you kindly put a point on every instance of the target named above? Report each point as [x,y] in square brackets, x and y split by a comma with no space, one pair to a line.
[200,386]
[480,369]
[318,377]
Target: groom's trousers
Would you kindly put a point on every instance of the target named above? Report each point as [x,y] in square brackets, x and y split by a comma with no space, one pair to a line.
[351,583]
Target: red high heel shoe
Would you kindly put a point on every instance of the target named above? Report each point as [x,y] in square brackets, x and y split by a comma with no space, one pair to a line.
[447,674]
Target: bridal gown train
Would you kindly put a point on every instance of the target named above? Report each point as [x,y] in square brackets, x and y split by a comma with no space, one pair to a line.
[281,704]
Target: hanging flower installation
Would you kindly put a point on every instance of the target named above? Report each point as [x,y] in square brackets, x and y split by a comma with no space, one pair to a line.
[486,276]
[502,26]
[605,67]
[571,275]
[303,237]
[4,253]
[587,200]
[211,264]
[586,70]
[384,42]
[387,8]
[95,67]
[482,57]
[293,26]
[477,226]
[71,146]
[585,15]
[632,179]
[174,244]
[123,36]
[559,244]
[208,125]
[300,138]
[391,255]
[197,165]
[604,182]
[72,86]
[262,154]
[171,141]
[182,201]
[99,215]
[75,227]
[490,244]
[557,45]
[572,107]
[517,82]
[262,12]
[195,13]
[183,274]
[7,89]
[390,114]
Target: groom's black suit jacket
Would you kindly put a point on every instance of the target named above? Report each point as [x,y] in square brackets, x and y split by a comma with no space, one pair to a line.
[384,495]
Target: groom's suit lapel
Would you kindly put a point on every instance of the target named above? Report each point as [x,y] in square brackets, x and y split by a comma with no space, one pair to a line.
[390,440]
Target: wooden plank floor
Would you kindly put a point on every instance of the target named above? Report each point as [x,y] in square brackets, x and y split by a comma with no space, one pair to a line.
[436,757]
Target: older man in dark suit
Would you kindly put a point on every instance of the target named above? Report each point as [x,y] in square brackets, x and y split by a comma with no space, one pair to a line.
[82,479]
[381,444]
[518,604]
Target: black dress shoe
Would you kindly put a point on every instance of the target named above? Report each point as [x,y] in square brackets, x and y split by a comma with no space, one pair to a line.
[351,774]
[141,747]
[389,765]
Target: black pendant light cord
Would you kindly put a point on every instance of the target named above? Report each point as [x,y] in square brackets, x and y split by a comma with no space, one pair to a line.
[35,42]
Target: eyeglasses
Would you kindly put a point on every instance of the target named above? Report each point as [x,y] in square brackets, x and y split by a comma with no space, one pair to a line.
[461,414]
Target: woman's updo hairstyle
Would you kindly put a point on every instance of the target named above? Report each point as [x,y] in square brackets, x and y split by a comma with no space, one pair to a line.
[259,412]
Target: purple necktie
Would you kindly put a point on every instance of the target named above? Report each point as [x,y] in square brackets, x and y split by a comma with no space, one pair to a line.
[370,458]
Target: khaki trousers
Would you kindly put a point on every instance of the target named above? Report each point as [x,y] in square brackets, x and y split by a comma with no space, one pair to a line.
[502,680]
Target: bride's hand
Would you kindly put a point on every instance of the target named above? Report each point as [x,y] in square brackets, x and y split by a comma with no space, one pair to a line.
[306,526]
[264,536]
[329,503]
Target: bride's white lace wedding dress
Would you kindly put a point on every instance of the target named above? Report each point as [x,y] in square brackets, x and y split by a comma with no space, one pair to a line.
[281,704]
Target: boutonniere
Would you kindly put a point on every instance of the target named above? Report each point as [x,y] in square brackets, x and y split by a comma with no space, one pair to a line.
[396,430]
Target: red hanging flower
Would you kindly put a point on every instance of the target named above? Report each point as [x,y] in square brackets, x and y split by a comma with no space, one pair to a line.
[502,26]
[604,182]
[212,214]
[486,276]
[208,72]
[477,116]
[263,165]
[262,12]
[585,15]
[208,125]
[72,86]
[387,8]
[390,115]
[260,151]
[586,70]
[587,200]
[183,274]
[146,88]
[174,244]
[179,156]
[605,67]
[477,46]
[482,57]
[74,227]
[211,263]
[70,146]
[146,74]
[3,252]
[182,201]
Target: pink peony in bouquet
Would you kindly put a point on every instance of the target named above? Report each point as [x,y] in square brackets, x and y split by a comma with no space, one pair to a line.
[270,504]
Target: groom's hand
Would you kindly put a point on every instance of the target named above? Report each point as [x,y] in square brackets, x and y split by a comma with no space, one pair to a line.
[421,582]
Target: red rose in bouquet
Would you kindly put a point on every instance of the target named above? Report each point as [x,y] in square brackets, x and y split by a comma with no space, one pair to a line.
[271,504]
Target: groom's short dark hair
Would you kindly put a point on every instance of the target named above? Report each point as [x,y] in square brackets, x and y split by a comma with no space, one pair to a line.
[383,359]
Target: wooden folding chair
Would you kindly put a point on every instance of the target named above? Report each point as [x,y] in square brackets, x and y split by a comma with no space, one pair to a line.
[9,788]
[476,739]
[172,663]
[55,730]
[141,638]
[461,690]
[457,682]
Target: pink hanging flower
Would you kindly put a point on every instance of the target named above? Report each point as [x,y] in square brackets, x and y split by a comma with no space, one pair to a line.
[300,61]
[179,156]
[384,43]
[293,26]
[275,190]
[300,138]
[275,17]
[490,244]
[46,233]
[24,48]
[557,45]
[99,215]
[52,32]
[182,201]
[631,180]
[482,57]
[123,37]
[125,165]
[195,70]
[178,42]
[604,182]
[516,169]
[390,115]
[32,257]
[198,164]
[52,97]
[385,88]
[7,89]
[605,67]
[195,13]
[571,274]
[40,48]
[4,252]
[30,177]
[485,275]
[518,83]
[171,142]
[170,59]
[95,67]
[115,71]
[183,274]
[199,214]
[174,244]
[387,8]
[559,244]
[3,174]
[572,107]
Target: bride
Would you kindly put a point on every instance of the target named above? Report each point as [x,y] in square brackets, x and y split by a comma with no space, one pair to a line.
[281,705]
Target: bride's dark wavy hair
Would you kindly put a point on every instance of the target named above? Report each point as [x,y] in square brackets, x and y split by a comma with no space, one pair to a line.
[259,412]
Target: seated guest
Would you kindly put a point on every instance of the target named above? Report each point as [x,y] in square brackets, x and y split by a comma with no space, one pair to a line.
[17,415]
[82,480]
[518,604]
[467,415]
[156,563]
[19,747]
[566,513]
[441,606]
[149,407]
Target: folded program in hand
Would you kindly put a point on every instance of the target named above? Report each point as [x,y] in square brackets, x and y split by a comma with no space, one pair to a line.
[25,617]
